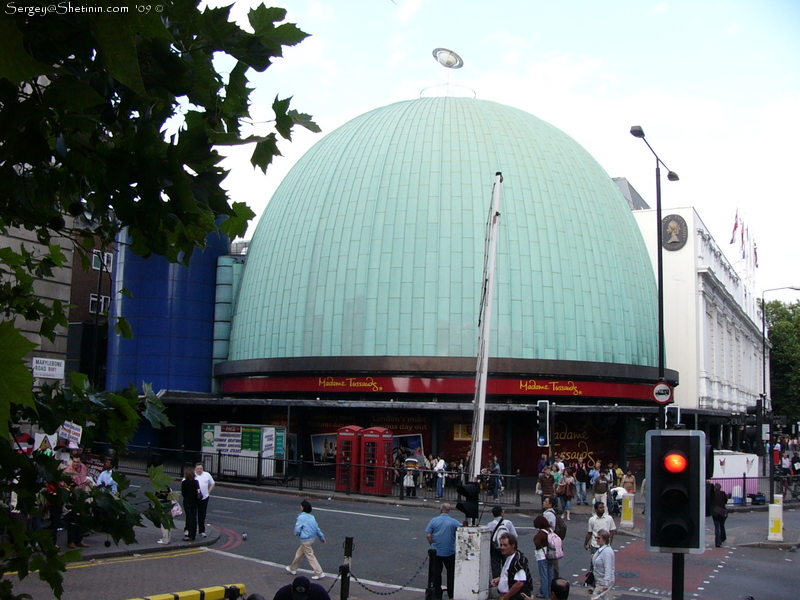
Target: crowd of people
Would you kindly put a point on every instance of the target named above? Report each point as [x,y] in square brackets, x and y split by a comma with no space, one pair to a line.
[414,471]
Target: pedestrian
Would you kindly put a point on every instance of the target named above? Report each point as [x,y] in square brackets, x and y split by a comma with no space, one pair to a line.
[439,470]
[515,578]
[559,589]
[549,513]
[600,521]
[545,486]
[540,543]
[629,482]
[581,479]
[600,486]
[190,490]
[719,514]
[441,535]
[167,507]
[301,589]
[494,471]
[542,464]
[497,527]
[307,530]
[105,479]
[206,482]
[603,565]
[643,490]
[565,490]
[81,482]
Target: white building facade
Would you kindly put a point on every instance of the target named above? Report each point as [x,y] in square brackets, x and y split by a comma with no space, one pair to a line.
[712,322]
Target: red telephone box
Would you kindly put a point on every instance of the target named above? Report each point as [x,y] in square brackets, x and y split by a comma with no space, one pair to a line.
[377,473]
[348,458]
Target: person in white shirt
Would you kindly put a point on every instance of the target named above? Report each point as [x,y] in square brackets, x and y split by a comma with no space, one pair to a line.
[497,527]
[598,522]
[105,479]
[206,482]
[440,468]
[515,579]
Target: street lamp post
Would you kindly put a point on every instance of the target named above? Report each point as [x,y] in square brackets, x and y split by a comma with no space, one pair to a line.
[678,568]
[637,131]
[770,459]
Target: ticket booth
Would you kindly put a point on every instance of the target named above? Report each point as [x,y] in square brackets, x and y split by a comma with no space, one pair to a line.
[348,458]
[377,473]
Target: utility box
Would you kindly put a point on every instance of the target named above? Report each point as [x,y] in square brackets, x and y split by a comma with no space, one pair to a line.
[348,458]
[377,445]
[473,565]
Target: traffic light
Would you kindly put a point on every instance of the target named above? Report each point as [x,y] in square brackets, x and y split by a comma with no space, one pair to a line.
[673,416]
[753,425]
[543,423]
[469,506]
[676,491]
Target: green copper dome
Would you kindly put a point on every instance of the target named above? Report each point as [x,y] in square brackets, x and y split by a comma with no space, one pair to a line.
[374,243]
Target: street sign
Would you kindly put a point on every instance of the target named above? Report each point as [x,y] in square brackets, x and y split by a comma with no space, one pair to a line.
[662,393]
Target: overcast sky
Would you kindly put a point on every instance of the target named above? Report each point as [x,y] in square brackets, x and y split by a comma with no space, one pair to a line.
[714,83]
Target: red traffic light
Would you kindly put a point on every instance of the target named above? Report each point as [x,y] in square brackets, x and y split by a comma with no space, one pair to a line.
[675,462]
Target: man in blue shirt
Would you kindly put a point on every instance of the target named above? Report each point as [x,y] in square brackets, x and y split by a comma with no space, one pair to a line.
[441,534]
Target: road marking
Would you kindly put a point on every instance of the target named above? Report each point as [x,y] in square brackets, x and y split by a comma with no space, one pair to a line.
[124,559]
[282,566]
[238,499]
[347,512]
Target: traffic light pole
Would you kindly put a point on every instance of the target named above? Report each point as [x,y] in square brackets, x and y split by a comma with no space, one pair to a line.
[678,575]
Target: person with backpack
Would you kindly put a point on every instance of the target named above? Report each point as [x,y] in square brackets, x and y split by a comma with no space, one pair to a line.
[556,524]
[515,578]
[498,527]
[540,542]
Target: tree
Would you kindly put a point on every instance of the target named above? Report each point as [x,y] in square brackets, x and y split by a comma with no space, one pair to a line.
[783,321]
[85,100]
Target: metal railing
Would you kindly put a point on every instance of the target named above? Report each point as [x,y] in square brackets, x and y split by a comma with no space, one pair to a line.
[746,490]
[308,475]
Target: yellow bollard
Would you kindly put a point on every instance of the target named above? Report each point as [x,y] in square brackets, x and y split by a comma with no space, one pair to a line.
[627,511]
[775,523]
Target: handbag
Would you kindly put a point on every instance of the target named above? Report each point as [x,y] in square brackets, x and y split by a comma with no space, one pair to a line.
[175,511]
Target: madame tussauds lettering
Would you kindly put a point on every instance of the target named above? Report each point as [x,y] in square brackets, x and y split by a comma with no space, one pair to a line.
[532,385]
[350,382]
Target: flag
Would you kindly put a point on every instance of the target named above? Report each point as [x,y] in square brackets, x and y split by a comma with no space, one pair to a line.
[755,253]
[735,226]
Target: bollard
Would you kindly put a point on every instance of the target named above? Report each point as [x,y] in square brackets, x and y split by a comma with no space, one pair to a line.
[775,522]
[627,511]
[344,577]
[430,591]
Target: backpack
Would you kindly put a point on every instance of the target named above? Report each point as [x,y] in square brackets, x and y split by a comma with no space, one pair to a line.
[554,548]
[498,531]
[560,528]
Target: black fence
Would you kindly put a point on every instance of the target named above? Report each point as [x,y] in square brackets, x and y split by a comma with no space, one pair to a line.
[308,475]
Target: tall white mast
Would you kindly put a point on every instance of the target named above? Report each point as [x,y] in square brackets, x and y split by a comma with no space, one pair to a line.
[485,327]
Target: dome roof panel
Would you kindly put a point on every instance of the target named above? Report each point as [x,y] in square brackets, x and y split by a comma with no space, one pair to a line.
[373,245]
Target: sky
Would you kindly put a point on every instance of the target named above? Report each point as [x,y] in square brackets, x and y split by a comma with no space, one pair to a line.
[715,84]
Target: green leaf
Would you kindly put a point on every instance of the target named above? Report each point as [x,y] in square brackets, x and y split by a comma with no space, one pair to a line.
[16,379]
[264,152]
[236,225]
[118,50]
[16,64]
[304,120]
[288,34]
[123,328]
[283,122]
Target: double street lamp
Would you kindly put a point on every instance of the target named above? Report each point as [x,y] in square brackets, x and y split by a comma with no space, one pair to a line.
[769,458]
[637,131]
